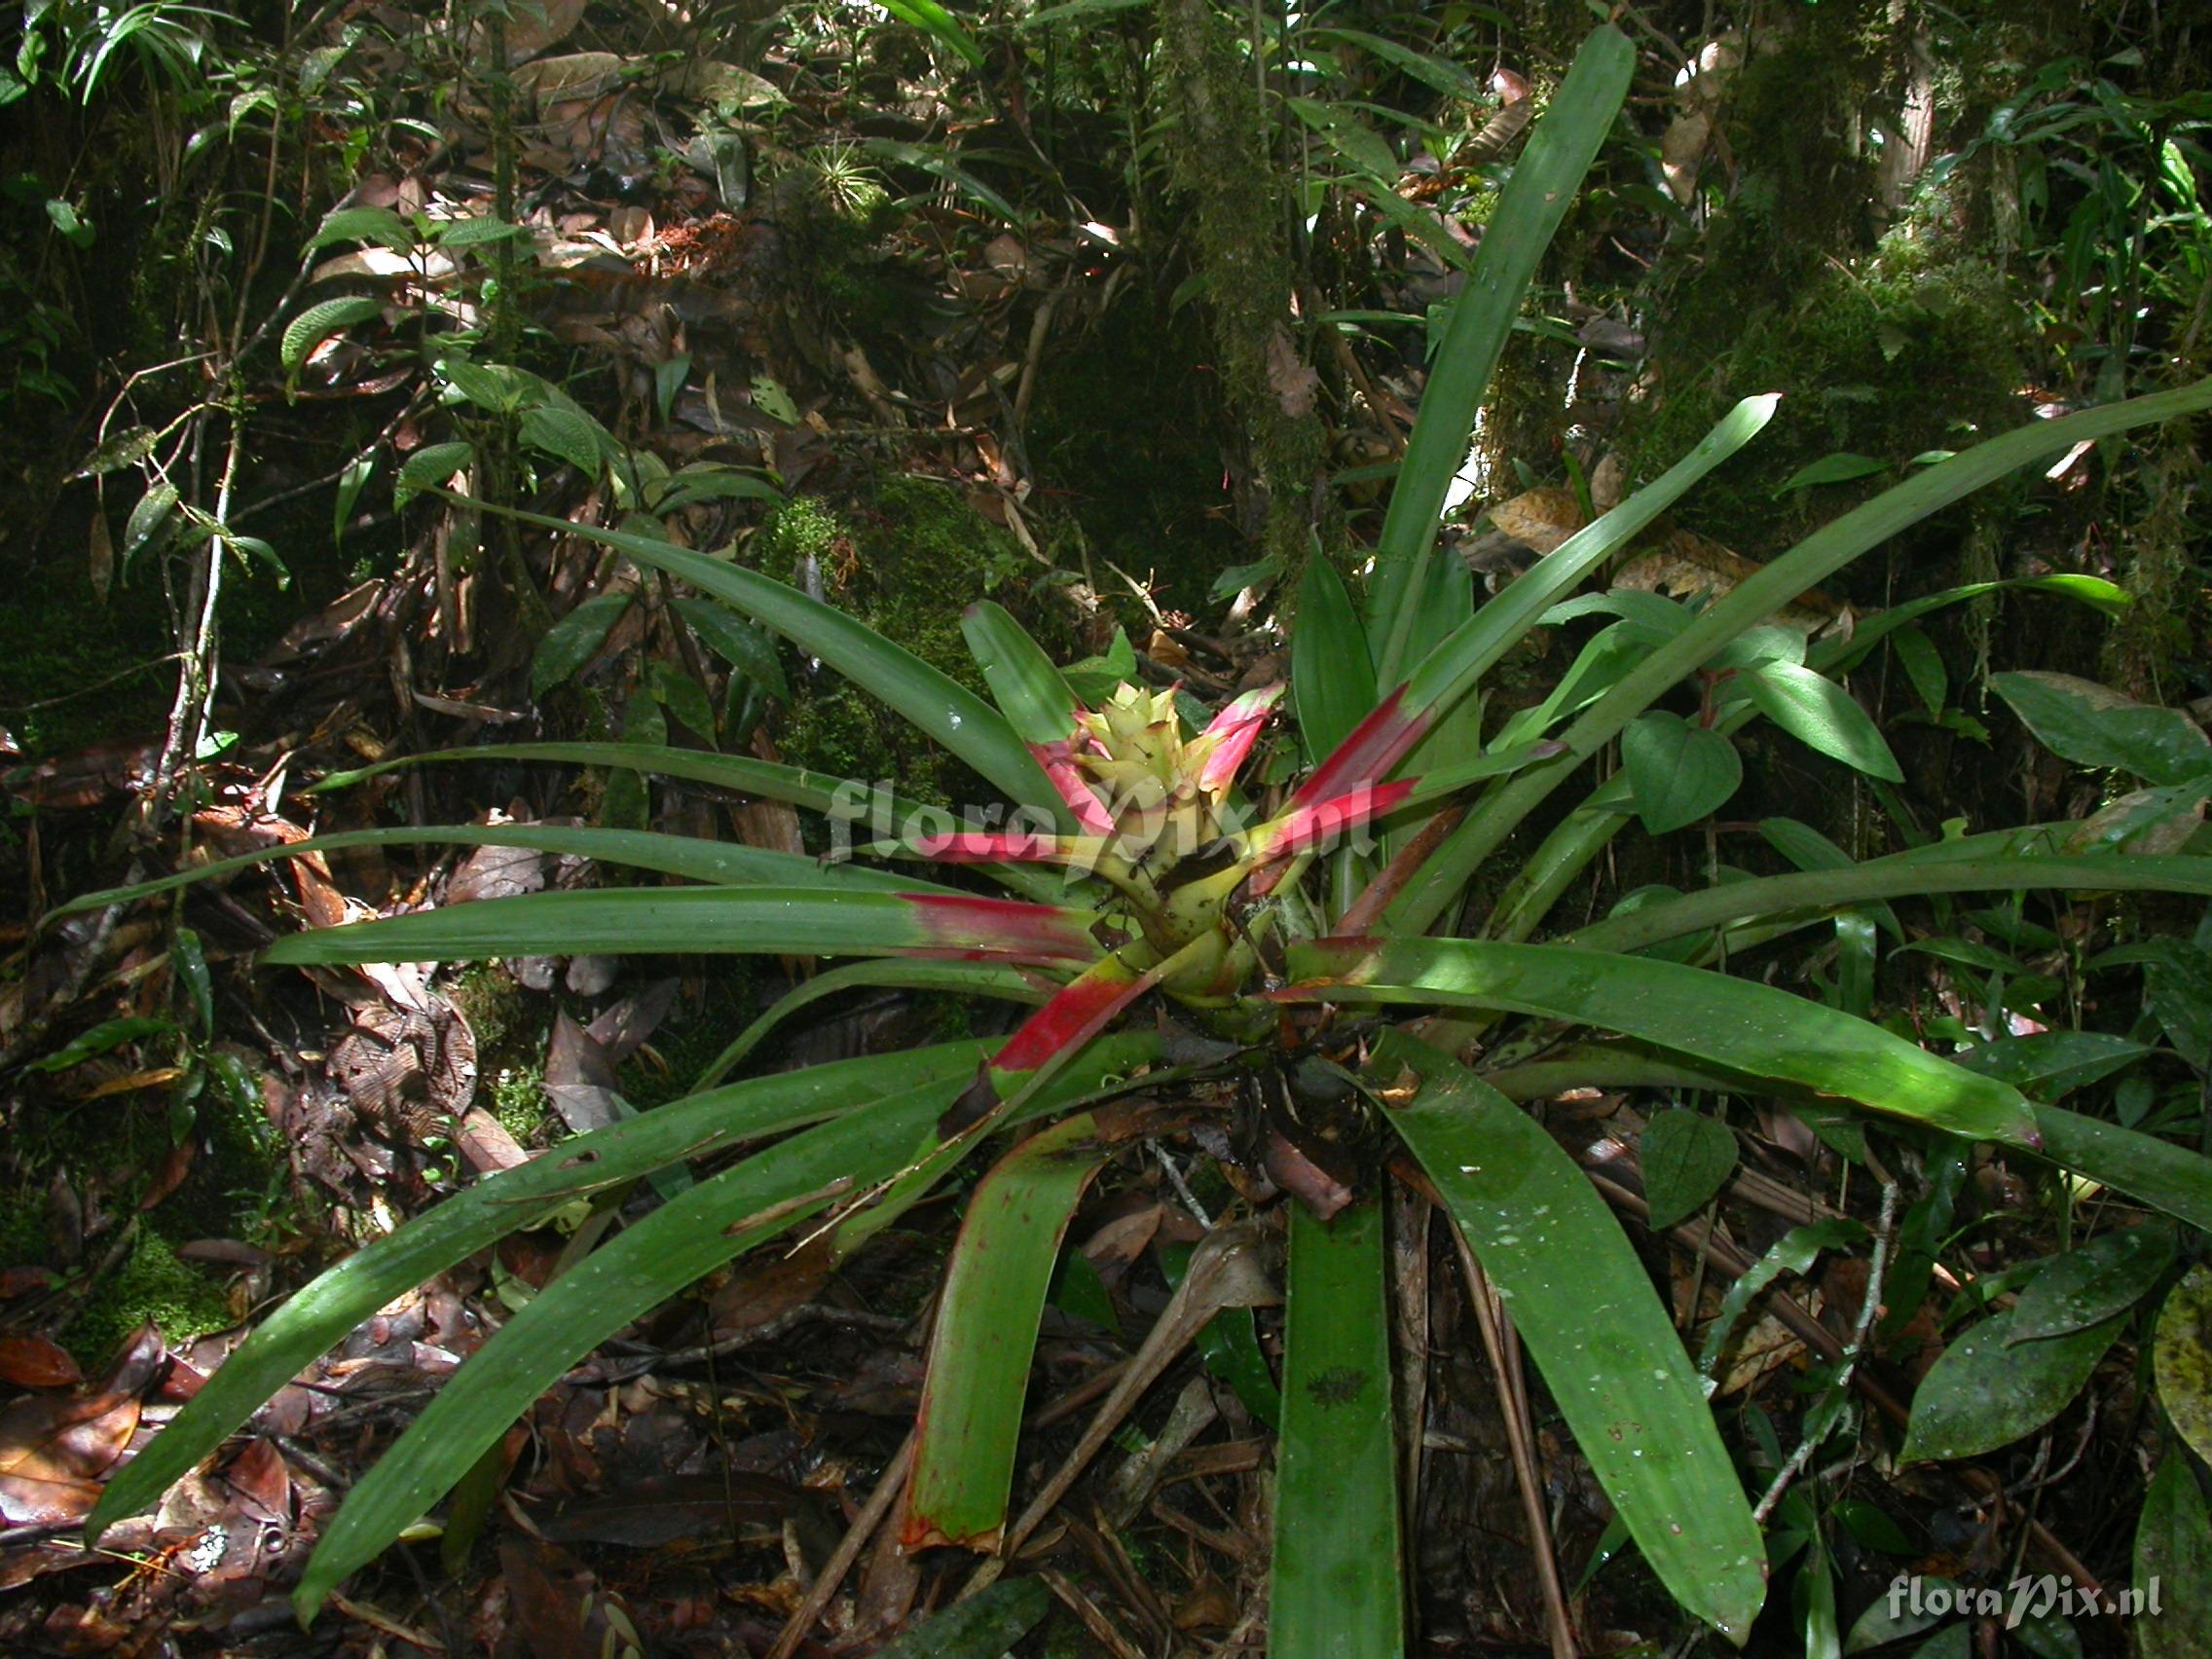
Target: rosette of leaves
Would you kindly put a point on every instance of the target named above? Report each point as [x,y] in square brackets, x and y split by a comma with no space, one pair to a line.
[1140,873]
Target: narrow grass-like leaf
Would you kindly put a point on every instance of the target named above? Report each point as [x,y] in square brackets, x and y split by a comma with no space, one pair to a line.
[1806,566]
[319,1315]
[934,704]
[1988,1391]
[1752,1028]
[710,921]
[1560,151]
[1337,1586]
[985,1332]
[1332,677]
[1583,1303]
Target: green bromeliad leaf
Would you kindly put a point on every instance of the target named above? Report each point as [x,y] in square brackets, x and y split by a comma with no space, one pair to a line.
[1749,1027]
[1584,1303]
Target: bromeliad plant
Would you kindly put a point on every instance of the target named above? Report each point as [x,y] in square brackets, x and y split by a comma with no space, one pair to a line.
[1140,868]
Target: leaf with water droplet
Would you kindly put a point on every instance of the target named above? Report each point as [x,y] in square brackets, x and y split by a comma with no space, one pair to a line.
[2088,1286]
[1985,1393]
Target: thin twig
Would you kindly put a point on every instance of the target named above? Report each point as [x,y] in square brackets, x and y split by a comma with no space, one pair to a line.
[847,1552]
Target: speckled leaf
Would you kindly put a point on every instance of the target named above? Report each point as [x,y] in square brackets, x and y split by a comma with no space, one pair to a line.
[574,640]
[2088,1286]
[1584,1303]
[1687,1156]
[982,1627]
[2173,1550]
[1985,1393]
[2182,1358]
[2094,726]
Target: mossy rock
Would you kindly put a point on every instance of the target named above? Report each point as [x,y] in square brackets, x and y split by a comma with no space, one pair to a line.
[906,561]
[151,1283]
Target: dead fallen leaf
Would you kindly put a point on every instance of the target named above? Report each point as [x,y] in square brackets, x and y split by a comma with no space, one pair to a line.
[33,1362]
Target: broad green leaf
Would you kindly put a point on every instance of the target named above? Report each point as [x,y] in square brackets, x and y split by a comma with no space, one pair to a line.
[1584,1305]
[2094,726]
[574,640]
[1337,1585]
[2173,1550]
[940,25]
[378,225]
[1679,772]
[2181,1358]
[985,1332]
[317,1317]
[1988,1392]
[102,1038]
[1752,1028]
[1923,665]
[2048,1064]
[127,447]
[569,436]
[1686,1158]
[1332,680]
[479,229]
[428,468]
[1822,716]
[1839,468]
[1438,74]
[1564,143]
[319,321]
[148,519]
[1350,136]
[1023,681]
[496,388]
[939,707]
[712,480]
[707,920]
[985,1626]
[737,642]
[2090,1284]
[672,687]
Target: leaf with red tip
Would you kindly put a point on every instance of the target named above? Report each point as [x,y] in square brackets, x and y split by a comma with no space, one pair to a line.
[1004,927]
[986,1334]
[1013,846]
[1376,744]
[1058,761]
[1075,1014]
[1315,825]
[1231,733]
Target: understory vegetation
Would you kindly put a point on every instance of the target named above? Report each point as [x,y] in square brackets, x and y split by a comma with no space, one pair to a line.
[1109,827]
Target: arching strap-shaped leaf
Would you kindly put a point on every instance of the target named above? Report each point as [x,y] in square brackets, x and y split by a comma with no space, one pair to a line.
[651,1261]
[654,1259]
[722,863]
[929,700]
[1583,1303]
[960,978]
[1560,151]
[710,921]
[841,799]
[1332,677]
[1751,1028]
[317,1317]
[986,1332]
[1824,891]
[1338,1580]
